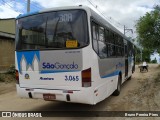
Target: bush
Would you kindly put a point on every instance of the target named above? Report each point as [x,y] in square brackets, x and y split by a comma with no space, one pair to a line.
[154,61]
[1,78]
[11,70]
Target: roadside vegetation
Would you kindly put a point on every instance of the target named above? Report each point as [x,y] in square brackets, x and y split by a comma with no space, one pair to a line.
[157,79]
[148,30]
[9,76]
[1,78]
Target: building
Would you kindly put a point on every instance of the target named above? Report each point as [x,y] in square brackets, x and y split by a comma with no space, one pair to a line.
[7,43]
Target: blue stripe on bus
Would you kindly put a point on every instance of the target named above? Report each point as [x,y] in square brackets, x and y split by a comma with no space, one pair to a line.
[57,71]
[111,74]
[27,14]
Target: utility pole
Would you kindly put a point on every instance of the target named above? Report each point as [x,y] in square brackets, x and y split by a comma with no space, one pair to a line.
[28,6]
[125,29]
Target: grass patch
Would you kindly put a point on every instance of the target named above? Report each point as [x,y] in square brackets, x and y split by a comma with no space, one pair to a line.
[1,78]
[11,70]
[7,78]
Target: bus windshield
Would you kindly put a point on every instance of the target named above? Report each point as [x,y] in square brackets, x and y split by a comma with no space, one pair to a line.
[52,30]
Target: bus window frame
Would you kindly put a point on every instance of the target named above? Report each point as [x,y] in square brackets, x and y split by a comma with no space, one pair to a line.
[93,21]
[87,18]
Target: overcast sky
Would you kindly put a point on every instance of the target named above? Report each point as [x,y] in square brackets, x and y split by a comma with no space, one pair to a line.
[117,12]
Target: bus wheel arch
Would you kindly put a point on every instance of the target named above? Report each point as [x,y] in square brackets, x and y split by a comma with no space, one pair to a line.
[117,91]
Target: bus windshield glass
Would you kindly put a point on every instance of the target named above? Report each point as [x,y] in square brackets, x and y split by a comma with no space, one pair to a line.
[52,30]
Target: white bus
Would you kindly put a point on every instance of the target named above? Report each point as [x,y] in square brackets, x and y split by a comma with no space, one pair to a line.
[70,54]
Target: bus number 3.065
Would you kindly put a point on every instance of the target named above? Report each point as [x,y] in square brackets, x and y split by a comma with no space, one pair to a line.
[71,78]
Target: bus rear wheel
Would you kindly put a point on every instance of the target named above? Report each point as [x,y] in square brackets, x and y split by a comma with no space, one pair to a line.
[117,91]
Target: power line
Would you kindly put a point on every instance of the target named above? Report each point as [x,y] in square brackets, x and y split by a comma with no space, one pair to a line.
[32,4]
[92,4]
[9,6]
[110,19]
[7,3]
[97,9]
[15,3]
[37,6]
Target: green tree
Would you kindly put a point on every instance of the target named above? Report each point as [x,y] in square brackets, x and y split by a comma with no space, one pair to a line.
[146,55]
[154,61]
[148,29]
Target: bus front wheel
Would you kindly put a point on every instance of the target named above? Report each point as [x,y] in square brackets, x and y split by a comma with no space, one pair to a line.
[117,91]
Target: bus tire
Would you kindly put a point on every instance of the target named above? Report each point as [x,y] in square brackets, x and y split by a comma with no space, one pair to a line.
[133,71]
[130,77]
[117,91]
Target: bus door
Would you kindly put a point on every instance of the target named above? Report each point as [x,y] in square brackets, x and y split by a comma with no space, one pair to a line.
[126,60]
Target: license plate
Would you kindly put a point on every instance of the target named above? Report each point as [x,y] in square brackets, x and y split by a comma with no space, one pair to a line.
[49,96]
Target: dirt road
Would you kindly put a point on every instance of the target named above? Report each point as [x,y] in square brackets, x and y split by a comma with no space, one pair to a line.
[141,93]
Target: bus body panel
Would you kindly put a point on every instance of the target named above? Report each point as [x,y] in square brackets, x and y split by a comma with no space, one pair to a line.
[59,72]
[106,78]
[58,86]
[111,66]
[131,65]
[46,69]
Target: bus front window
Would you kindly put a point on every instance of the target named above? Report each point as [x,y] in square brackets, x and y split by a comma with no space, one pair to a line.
[53,30]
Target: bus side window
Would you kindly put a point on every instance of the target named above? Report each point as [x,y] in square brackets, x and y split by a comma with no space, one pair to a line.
[106,35]
[111,44]
[95,37]
[98,37]
[119,46]
[126,50]
[101,44]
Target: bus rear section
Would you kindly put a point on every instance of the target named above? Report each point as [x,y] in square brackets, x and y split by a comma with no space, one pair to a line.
[53,78]
[49,56]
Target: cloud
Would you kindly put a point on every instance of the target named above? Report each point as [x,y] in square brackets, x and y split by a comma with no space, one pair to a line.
[117,12]
[54,3]
[126,12]
[19,6]
[7,12]
[10,9]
